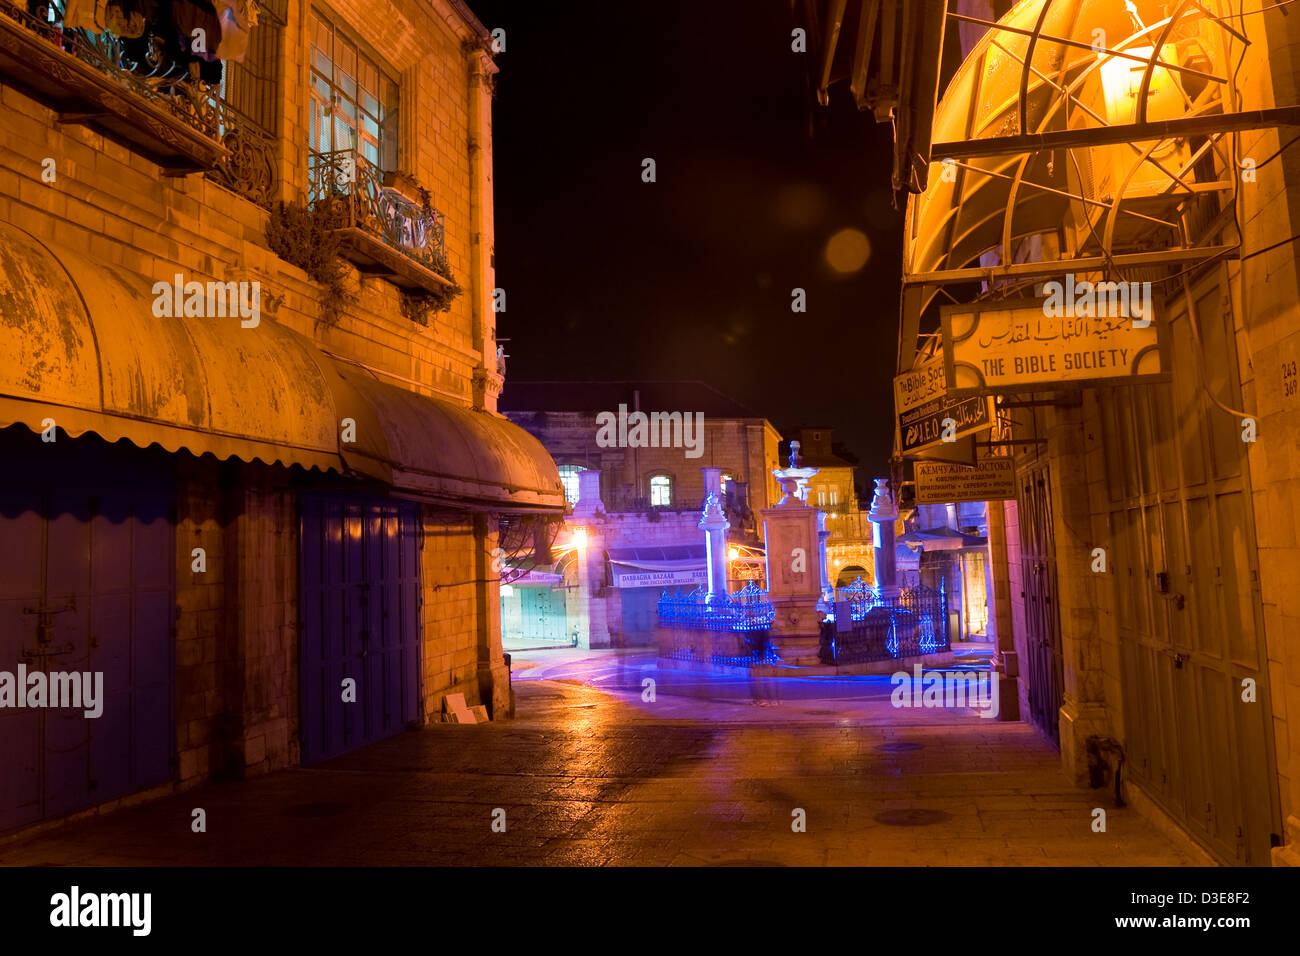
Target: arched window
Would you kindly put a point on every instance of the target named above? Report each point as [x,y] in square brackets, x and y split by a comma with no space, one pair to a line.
[661,491]
[569,476]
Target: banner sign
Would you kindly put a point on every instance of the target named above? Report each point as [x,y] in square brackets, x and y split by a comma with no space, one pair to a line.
[993,479]
[922,404]
[660,579]
[1029,345]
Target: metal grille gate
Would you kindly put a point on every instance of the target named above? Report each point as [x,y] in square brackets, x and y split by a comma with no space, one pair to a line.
[1042,619]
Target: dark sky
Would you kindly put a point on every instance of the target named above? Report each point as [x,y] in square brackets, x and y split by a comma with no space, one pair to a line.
[690,277]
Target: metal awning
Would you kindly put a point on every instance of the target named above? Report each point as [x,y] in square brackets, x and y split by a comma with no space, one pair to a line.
[670,566]
[941,539]
[84,349]
[437,450]
[1080,113]
[670,558]
[889,51]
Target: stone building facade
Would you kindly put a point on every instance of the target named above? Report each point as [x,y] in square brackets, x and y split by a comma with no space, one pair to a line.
[1143,574]
[273,530]
[633,527]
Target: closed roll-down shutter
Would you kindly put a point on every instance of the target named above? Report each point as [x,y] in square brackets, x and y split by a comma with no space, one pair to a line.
[86,588]
[359,610]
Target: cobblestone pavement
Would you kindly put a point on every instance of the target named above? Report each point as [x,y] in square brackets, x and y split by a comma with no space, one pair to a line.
[591,774]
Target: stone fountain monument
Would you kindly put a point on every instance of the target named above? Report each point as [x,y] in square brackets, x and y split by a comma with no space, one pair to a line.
[795,568]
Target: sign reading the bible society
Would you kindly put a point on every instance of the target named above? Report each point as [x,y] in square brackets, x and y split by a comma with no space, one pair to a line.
[937,483]
[1023,346]
[922,404]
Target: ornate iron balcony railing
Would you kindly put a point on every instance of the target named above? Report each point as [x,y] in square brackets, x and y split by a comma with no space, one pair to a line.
[69,67]
[352,193]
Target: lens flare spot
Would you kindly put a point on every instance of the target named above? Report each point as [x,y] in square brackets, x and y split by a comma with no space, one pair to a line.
[848,250]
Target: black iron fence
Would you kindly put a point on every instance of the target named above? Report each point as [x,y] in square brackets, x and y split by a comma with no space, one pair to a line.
[746,610]
[869,628]
[732,630]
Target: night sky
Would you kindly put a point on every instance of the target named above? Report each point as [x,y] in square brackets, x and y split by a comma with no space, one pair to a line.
[690,277]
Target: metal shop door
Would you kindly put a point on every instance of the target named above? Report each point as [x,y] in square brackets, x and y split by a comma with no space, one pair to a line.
[1042,621]
[86,586]
[543,617]
[1187,603]
[360,620]
[640,615]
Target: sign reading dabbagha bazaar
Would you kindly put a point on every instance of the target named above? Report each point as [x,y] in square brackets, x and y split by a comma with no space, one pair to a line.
[993,479]
[923,406]
[1069,338]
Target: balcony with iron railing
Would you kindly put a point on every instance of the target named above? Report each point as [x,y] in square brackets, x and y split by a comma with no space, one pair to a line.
[385,230]
[133,93]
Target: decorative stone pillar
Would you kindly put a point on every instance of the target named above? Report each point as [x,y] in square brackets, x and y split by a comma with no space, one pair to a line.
[591,618]
[588,504]
[714,524]
[794,582]
[883,514]
[828,595]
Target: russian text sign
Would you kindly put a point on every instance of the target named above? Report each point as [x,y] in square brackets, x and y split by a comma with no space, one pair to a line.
[993,479]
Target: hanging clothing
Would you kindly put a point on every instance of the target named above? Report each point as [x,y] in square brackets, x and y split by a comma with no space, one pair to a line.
[90,15]
[197,15]
[125,19]
[238,17]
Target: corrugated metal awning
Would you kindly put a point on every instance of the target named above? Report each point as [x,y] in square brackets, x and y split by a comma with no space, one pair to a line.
[442,451]
[941,539]
[668,558]
[83,347]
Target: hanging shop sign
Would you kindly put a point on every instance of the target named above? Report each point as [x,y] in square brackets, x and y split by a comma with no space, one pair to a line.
[993,479]
[684,577]
[1029,345]
[927,414]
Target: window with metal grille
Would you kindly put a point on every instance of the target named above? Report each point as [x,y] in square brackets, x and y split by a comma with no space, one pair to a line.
[569,477]
[353,101]
[252,86]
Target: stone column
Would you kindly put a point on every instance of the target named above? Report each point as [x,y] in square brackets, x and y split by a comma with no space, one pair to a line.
[592,623]
[714,525]
[883,514]
[823,536]
[794,585]
[589,503]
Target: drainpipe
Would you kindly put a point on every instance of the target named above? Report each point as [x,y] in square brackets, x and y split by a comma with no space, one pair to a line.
[482,272]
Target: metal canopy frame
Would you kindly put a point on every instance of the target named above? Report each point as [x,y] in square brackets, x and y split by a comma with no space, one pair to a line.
[1206,117]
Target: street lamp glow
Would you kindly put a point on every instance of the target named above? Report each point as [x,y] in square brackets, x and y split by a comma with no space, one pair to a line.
[733,554]
[579,537]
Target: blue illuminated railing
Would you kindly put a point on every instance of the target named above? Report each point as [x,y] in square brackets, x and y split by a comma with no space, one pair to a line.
[746,610]
[861,597]
[913,625]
